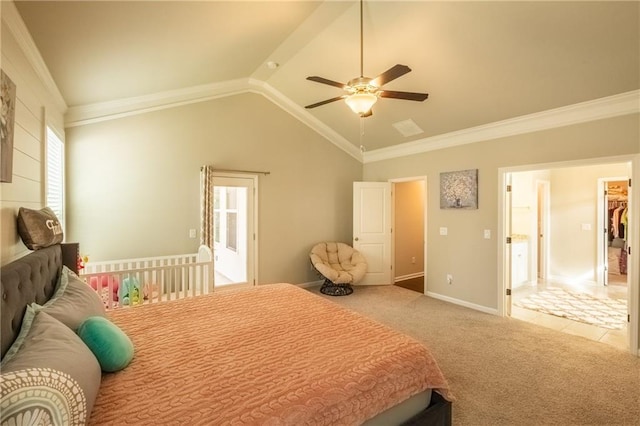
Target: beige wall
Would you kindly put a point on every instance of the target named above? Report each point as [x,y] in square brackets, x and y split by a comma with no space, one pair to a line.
[409,228]
[33,99]
[135,189]
[524,201]
[464,252]
[573,250]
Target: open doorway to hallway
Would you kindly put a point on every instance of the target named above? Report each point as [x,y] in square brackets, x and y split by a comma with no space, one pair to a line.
[558,256]
[409,197]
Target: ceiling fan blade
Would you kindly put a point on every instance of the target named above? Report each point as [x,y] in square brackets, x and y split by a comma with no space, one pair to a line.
[390,74]
[409,96]
[326,101]
[326,81]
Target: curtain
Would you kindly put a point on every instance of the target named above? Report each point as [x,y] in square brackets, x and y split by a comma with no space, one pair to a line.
[206,206]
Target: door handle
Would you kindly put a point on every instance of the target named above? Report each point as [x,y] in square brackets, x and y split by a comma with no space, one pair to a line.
[356,239]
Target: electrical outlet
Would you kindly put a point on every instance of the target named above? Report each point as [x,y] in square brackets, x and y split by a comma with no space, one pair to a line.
[449,279]
[413,259]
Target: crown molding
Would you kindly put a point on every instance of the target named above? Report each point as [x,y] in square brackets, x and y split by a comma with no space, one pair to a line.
[103,111]
[611,106]
[597,109]
[11,17]
[307,118]
[111,110]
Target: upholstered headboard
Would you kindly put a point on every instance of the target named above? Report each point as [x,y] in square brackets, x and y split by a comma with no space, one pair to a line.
[31,278]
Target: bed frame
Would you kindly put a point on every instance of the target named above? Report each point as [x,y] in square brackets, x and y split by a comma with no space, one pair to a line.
[33,278]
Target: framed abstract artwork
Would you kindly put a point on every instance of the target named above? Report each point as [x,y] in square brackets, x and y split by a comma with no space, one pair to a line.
[7,117]
[459,190]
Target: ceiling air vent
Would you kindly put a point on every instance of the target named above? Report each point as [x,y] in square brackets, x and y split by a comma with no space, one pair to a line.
[408,128]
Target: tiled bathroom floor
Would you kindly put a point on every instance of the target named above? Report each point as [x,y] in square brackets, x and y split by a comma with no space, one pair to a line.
[616,338]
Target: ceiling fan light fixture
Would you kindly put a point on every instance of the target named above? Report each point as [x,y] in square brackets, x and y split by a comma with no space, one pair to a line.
[361,103]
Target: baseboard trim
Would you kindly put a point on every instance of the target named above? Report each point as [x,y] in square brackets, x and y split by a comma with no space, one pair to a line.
[408,277]
[463,303]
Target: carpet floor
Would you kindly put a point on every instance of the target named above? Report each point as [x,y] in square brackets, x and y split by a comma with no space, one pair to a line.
[504,371]
[606,313]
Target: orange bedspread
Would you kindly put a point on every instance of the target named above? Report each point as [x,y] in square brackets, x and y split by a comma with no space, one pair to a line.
[271,355]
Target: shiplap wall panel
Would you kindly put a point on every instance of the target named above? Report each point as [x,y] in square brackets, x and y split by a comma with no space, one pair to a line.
[23,190]
[25,166]
[30,121]
[9,236]
[27,144]
[27,187]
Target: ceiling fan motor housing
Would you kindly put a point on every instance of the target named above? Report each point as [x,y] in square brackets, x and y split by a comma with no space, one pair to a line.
[362,85]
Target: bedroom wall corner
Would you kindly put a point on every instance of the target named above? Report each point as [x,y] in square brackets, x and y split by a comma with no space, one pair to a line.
[135,190]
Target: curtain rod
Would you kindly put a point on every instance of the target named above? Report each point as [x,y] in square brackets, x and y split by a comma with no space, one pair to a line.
[241,171]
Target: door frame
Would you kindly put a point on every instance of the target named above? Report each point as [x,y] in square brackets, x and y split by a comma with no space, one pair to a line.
[542,253]
[393,182]
[633,235]
[601,223]
[252,263]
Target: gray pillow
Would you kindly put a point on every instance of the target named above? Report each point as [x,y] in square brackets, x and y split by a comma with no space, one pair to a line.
[39,228]
[73,301]
[49,344]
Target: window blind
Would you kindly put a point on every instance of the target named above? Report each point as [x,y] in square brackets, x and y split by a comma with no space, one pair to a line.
[55,174]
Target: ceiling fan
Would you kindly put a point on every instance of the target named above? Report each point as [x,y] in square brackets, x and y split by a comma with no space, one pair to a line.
[363,92]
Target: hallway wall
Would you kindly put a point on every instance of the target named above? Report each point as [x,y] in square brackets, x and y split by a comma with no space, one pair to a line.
[409,228]
[573,239]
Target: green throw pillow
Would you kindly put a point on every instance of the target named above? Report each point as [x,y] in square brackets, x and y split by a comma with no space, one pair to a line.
[111,346]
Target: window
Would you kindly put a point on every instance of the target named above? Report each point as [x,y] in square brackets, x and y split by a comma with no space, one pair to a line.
[55,174]
[232,234]
[225,216]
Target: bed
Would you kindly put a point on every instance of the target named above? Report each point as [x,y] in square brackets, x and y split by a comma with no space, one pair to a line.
[271,355]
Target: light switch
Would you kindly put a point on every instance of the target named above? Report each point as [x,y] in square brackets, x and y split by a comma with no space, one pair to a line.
[487,234]
[586,227]
[443,230]
[192,233]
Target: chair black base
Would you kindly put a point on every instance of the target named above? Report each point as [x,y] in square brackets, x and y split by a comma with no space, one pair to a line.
[332,289]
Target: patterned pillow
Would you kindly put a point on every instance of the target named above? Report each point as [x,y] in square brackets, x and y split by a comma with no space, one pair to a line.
[41,396]
[73,301]
[49,344]
[39,228]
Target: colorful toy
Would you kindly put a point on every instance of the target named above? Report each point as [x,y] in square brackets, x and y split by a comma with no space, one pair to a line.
[129,292]
[101,285]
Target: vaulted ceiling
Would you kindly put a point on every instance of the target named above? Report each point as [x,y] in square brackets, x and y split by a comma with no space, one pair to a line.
[481,62]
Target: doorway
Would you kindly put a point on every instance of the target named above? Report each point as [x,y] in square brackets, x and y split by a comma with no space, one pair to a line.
[560,254]
[409,225]
[613,221]
[234,230]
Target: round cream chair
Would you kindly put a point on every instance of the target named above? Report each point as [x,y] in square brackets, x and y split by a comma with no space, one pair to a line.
[340,264]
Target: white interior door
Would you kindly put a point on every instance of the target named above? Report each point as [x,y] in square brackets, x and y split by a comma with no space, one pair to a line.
[372,229]
[234,233]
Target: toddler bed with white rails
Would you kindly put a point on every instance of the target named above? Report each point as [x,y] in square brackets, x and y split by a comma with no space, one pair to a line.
[129,282]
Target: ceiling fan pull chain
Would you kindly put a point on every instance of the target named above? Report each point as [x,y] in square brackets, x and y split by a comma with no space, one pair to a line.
[361,42]
[362,148]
